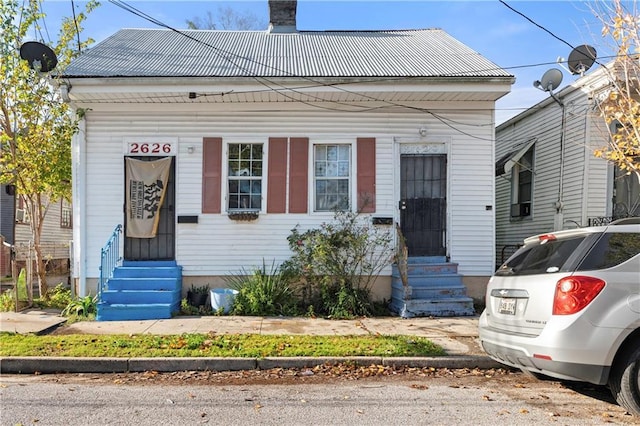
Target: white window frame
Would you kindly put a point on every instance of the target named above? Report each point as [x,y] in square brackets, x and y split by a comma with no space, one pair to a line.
[22,212]
[227,177]
[517,168]
[66,214]
[351,178]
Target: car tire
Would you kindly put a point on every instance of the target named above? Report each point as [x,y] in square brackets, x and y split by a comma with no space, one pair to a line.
[624,380]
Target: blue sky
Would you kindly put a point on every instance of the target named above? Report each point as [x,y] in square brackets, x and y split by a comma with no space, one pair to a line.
[487,26]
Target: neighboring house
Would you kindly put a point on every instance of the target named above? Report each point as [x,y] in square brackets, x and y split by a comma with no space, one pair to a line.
[266,130]
[6,229]
[55,239]
[57,233]
[547,177]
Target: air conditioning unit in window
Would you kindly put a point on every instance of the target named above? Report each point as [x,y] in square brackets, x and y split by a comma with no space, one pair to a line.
[520,209]
[20,215]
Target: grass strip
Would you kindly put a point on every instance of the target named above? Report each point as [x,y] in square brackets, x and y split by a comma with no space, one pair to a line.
[211,345]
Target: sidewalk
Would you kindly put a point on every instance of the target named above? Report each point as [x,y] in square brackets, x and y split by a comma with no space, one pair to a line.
[457,335]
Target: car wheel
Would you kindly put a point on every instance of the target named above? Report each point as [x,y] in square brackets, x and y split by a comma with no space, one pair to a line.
[624,381]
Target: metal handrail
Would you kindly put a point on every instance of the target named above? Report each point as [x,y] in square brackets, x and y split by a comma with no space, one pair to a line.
[605,220]
[512,247]
[109,258]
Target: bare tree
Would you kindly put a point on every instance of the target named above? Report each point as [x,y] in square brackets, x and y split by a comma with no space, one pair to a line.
[227,18]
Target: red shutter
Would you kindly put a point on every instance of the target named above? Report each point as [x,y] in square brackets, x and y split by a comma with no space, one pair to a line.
[366,175]
[211,174]
[277,179]
[298,174]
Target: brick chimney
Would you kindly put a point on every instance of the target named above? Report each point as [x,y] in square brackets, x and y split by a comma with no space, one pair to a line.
[282,16]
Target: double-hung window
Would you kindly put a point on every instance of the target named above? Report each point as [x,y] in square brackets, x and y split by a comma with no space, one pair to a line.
[522,185]
[245,165]
[332,177]
[66,214]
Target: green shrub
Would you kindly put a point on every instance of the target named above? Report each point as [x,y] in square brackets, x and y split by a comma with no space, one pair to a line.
[338,263]
[188,309]
[59,298]
[81,307]
[203,289]
[263,292]
[8,298]
[341,300]
[23,295]
[8,301]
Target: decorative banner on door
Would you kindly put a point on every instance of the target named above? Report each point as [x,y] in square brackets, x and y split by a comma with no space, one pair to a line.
[146,186]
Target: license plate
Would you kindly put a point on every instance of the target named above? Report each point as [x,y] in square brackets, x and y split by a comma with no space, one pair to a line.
[507,306]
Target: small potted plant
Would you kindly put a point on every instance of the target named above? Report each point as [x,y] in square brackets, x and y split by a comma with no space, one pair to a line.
[197,296]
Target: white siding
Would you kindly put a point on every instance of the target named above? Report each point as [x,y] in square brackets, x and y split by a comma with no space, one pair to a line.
[52,232]
[217,245]
[584,177]
[599,183]
[471,202]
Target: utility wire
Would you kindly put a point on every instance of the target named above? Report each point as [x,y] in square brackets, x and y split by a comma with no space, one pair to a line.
[44,25]
[265,81]
[536,24]
[269,84]
[543,28]
[225,55]
[75,22]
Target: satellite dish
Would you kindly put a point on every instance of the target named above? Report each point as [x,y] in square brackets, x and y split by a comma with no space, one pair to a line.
[550,80]
[40,57]
[581,58]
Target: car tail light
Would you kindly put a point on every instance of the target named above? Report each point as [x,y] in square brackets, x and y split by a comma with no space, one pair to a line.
[574,293]
[546,238]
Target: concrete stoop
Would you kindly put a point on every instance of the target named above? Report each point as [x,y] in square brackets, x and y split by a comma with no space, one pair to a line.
[434,288]
[141,290]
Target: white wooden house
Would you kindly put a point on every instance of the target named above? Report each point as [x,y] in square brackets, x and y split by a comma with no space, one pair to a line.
[280,127]
[547,176]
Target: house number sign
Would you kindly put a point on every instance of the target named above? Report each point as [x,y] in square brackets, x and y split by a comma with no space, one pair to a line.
[150,147]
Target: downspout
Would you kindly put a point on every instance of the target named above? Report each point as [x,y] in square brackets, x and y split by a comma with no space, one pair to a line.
[584,217]
[559,204]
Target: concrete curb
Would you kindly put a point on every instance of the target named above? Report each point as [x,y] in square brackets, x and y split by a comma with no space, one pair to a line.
[52,365]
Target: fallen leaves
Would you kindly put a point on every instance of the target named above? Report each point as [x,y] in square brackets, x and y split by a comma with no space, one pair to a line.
[317,374]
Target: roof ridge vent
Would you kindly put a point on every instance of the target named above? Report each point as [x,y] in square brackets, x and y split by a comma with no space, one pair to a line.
[282,16]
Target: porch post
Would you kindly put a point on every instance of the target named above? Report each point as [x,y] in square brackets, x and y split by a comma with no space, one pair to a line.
[78,157]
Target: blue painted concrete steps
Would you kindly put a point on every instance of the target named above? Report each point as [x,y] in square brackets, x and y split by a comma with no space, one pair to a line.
[434,289]
[141,290]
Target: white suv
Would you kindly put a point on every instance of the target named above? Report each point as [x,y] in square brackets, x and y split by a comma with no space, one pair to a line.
[567,305]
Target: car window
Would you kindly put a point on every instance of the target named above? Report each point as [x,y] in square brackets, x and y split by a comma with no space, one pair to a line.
[611,250]
[541,258]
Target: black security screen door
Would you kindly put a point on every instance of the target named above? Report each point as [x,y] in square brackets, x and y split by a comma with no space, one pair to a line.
[162,246]
[423,203]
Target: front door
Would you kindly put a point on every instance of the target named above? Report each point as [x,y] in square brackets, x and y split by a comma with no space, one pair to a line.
[162,246]
[423,203]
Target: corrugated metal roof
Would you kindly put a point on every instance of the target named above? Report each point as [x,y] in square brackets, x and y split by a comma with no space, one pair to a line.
[205,53]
